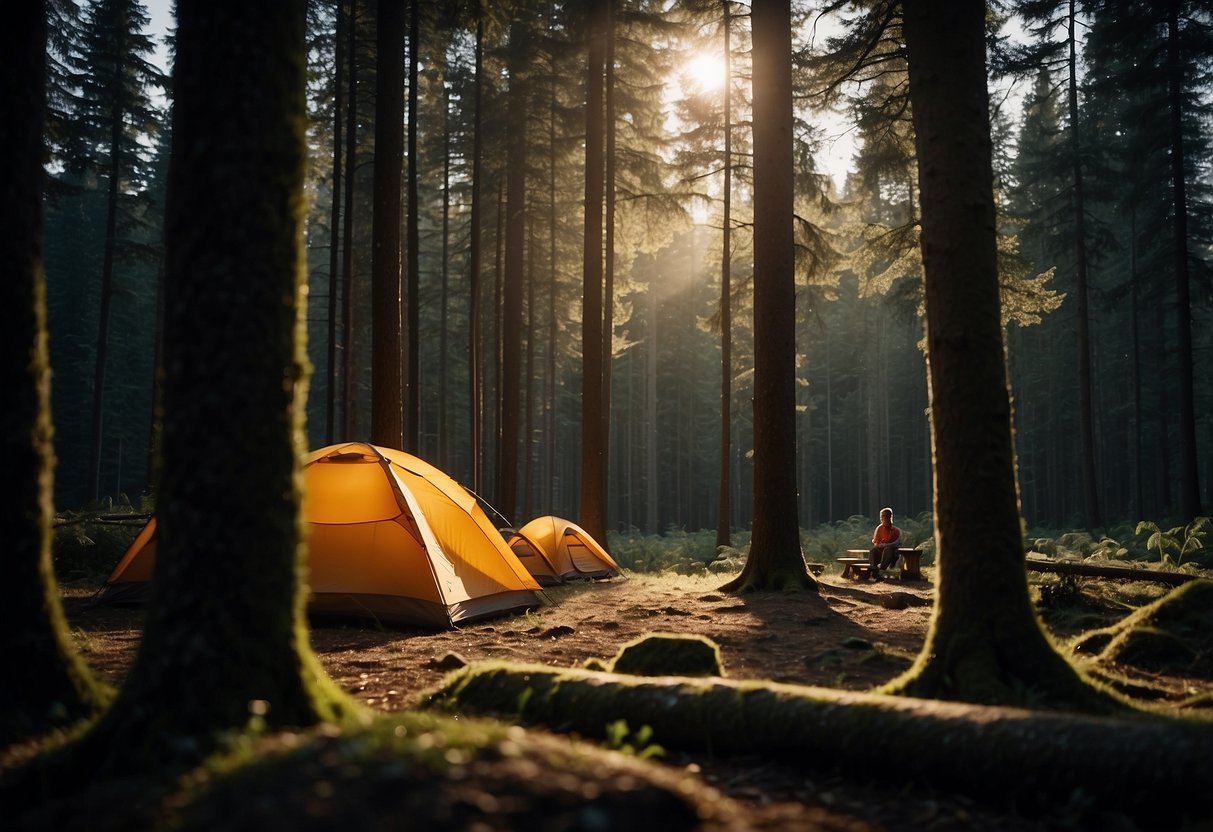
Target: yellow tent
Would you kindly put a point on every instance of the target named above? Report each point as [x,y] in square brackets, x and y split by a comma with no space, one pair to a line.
[557,550]
[390,537]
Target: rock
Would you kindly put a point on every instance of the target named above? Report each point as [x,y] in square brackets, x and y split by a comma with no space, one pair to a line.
[451,661]
[557,632]
[895,601]
[856,643]
[669,654]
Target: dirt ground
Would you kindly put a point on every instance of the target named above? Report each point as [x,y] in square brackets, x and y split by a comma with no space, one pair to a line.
[853,636]
[846,638]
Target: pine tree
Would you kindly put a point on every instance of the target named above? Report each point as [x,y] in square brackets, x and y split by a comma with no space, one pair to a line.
[775,559]
[985,643]
[112,114]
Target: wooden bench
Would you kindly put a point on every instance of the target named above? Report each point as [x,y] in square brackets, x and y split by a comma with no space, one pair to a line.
[910,559]
[856,569]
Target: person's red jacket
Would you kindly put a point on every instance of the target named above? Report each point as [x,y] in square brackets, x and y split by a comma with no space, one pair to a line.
[884,535]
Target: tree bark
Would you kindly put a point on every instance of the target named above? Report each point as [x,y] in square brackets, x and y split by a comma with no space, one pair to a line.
[724,531]
[339,59]
[475,350]
[1033,761]
[985,643]
[444,433]
[591,516]
[608,261]
[514,275]
[56,687]
[412,372]
[101,357]
[388,420]
[1189,480]
[1086,443]
[775,560]
[347,230]
[225,639]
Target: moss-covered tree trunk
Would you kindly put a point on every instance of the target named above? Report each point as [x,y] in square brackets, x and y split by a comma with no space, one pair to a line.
[49,685]
[775,560]
[1155,769]
[225,639]
[985,643]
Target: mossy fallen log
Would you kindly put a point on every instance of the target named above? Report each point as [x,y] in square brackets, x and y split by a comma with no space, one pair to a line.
[1146,766]
[1119,573]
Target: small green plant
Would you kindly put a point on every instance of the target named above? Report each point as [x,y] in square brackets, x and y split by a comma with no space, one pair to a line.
[1063,592]
[634,745]
[1182,541]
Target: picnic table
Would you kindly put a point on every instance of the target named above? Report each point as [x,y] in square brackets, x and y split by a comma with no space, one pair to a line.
[857,566]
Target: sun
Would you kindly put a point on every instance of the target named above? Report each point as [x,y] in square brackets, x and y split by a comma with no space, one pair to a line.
[705,72]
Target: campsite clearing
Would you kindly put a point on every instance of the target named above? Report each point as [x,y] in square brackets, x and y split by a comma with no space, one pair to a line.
[844,638]
[850,636]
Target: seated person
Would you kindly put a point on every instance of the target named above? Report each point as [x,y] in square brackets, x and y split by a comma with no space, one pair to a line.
[886,540]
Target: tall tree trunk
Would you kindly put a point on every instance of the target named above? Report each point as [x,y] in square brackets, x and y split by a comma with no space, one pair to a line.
[498,271]
[608,263]
[724,530]
[1135,334]
[591,514]
[475,352]
[347,233]
[1086,413]
[101,357]
[1189,481]
[225,636]
[528,429]
[444,434]
[775,560]
[553,325]
[387,402]
[985,643]
[339,58]
[514,276]
[652,485]
[56,687]
[412,376]
[154,425]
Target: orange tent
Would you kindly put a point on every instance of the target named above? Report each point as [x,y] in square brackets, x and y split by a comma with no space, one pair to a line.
[390,537]
[555,550]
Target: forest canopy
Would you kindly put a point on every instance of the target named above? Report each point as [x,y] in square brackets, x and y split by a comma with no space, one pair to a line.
[1104,260]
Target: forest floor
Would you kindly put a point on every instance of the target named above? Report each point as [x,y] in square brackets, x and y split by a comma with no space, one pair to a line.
[852,636]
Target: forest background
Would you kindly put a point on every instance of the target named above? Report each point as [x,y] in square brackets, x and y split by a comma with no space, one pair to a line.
[1101,262]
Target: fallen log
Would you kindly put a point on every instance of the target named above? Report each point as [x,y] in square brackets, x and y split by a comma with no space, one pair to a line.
[1148,766]
[128,519]
[1119,573]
